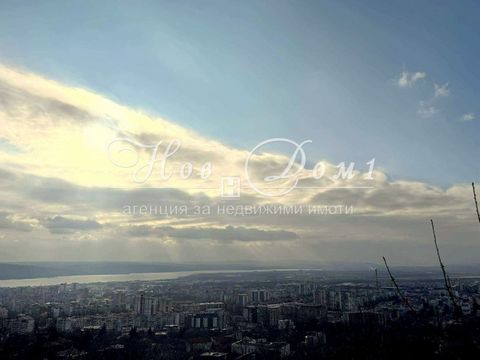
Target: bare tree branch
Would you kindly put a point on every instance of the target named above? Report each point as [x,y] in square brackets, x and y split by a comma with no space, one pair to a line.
[400,295]
[446,278]
[475,200]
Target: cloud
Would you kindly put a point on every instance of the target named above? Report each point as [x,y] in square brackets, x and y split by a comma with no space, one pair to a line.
[61,196]
[402,198]
[228,233]
[408,79]
[14,222]
[64,225]
[63,132]
[23,104]
[426,109]
[441,90]
[468,116]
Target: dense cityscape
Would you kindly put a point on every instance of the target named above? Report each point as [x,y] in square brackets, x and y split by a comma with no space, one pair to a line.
[302,314]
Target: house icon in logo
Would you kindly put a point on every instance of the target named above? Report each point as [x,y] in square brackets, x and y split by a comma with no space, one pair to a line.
[230,187]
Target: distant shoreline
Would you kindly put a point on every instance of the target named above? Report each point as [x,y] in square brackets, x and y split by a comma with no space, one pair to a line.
[172,275]
[104,278]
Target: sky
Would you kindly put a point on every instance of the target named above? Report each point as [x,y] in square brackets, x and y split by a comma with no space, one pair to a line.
[394,81]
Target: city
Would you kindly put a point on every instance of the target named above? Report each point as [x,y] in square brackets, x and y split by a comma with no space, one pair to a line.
[298,314]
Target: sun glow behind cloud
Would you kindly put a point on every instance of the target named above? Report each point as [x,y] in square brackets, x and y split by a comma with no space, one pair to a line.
[60,186]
